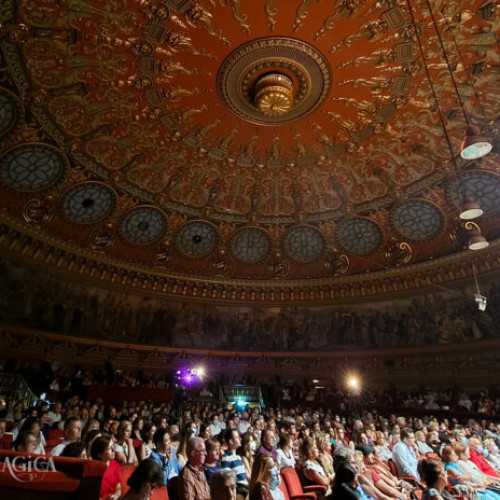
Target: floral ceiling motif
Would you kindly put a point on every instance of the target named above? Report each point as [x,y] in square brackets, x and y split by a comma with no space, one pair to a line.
[236,141]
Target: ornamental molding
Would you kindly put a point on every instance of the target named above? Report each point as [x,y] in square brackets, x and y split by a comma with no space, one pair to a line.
[63,257]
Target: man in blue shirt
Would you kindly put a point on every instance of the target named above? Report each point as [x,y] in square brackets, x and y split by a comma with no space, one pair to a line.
[404,455]
[165,456]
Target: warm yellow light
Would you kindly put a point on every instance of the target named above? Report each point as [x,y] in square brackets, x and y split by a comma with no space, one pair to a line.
[353,382]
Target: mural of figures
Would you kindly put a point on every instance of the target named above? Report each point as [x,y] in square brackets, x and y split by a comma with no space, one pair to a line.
[35,299]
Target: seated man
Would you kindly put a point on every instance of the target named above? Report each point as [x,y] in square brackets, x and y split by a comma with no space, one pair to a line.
[164,455]
[193,484]
[232,461]
[404,455]
[267,447]
[72,434]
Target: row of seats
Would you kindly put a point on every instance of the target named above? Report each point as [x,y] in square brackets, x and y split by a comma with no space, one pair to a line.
[76,479]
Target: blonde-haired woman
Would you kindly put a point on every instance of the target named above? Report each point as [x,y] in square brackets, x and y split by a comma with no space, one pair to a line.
[124,446]
[264,477]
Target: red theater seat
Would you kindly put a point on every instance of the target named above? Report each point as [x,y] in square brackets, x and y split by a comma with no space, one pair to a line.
[6,441]
[44,478]
[295,489]
[55,434]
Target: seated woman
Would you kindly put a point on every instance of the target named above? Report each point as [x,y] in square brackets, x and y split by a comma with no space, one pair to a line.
[26,442]
[460,479]
[382,446]
[339,436]
[103,450]
[32,424]
[432,472]
[365,479]
[212,460]
[124,446]
[325,455]
[146,477]
[469,467]
[137,428]
[312,469]
[264,478]
[285,454]
[247,452]
[345,485]
[382,478]
[147,446]
[492,453]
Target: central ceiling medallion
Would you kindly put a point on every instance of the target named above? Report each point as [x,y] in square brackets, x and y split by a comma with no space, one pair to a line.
[274,94]
[274,80]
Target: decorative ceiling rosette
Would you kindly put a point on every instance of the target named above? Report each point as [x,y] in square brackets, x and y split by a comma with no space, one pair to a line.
[304,244]
[418,219]
[143,225]
[32,167]
[481,187]
[359,235]
[250,244]
[87,203]
[197,239]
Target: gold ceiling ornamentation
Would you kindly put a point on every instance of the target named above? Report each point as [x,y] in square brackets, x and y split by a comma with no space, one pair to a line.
[301,74]
[254,116]
[274,94]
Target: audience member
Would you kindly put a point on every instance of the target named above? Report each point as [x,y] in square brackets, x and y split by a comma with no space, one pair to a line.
[145,478]
[103,450]
[193,484]
[72,432]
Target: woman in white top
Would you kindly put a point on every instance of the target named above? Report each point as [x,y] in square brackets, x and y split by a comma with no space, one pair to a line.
[312,468]
[124,446]
[284,453]
[147,445]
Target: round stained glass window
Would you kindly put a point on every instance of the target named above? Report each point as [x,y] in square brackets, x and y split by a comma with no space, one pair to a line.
[87,203]
[417,219]
[304,244]
[197,239]
[250,244]
[32,167]
[143,225]
[359,235]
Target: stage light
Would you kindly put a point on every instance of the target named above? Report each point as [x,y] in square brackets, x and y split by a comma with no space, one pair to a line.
[241,404]
[201,371]
[353,382]
[480,301]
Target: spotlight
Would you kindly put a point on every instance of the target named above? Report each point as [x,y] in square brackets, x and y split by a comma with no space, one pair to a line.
[353,382]
[480,301]
[474,145]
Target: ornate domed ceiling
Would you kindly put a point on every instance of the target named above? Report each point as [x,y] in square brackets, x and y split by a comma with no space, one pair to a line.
[244,150]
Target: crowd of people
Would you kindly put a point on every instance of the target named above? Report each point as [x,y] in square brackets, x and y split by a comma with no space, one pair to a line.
[54,378]
[201,450]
